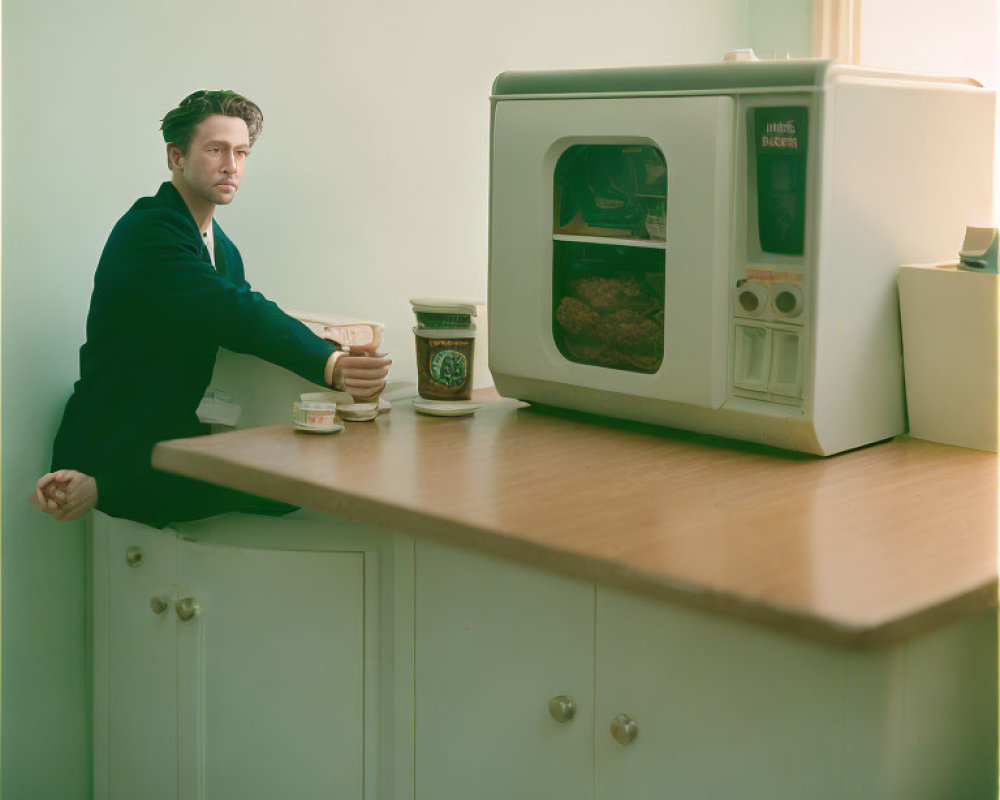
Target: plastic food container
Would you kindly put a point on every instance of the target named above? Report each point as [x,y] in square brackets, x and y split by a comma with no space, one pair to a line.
[438,313]
[429,319]
[444,362]
[315,411]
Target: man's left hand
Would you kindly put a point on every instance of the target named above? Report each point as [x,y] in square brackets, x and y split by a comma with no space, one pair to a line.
[65,494]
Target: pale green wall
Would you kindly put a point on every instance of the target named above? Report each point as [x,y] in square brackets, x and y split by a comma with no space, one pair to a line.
[368,186]
[780,28]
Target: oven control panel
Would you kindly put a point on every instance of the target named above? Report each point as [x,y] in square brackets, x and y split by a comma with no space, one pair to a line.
[769,312]
[769,294]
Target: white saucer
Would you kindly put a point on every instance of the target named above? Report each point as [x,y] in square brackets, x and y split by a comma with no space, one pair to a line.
[336,428]
[445,408]
[358,412]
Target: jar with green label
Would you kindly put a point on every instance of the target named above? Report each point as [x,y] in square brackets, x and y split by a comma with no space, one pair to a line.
[444,363]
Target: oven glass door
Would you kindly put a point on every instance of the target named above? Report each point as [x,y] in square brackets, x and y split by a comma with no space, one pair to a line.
[611,242]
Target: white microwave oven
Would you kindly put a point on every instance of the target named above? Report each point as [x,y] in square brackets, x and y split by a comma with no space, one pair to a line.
[716,247]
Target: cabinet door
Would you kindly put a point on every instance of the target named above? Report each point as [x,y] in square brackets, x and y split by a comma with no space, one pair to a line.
[494,643]
[135,683]
[271,673]
[722,709]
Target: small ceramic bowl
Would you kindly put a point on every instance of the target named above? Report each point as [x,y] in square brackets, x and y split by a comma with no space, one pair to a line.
[315,411]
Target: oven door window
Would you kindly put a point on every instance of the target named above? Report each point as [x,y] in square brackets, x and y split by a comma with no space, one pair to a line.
[608,255]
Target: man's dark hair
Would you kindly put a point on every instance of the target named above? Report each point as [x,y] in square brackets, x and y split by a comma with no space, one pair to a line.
[179,124]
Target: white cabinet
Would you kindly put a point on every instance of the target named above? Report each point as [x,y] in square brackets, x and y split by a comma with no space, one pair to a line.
[721,708]
[731,709]
[494,643]
[134,656]
[271,673]
[242,658]
[328,660]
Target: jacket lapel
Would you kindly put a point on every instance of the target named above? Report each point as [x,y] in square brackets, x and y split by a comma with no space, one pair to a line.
[169,195]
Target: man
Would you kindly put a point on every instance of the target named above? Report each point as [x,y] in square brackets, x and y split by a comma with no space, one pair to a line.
[169,291]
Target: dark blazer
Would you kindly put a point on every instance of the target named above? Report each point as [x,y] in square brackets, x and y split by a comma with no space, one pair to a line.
[158,314]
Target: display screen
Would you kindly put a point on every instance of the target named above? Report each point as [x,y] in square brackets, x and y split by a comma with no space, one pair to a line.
[780,148]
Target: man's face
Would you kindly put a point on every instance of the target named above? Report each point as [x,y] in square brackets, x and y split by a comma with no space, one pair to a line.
[216,156]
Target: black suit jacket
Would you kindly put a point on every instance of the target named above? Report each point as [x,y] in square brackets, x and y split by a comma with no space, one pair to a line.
[158,314]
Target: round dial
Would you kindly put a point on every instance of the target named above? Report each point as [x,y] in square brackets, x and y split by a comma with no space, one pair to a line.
[788,301]
[750,299]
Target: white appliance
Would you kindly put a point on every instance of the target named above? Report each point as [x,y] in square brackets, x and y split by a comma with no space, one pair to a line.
[716,247]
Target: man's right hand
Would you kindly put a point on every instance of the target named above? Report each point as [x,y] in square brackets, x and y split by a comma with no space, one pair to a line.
[362,373]
[65,494]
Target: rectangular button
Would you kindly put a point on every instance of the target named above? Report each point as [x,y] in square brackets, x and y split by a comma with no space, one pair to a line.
[751,355]
[786,364]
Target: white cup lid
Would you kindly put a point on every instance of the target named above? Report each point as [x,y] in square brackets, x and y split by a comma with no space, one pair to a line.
[444,305]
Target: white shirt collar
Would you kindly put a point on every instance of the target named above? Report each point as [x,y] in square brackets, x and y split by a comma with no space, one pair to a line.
[209,239]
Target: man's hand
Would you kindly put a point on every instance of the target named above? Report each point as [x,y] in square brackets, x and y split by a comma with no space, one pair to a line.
[362,373]
[65,494]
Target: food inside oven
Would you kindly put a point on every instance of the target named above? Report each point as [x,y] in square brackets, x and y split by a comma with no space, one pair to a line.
[616,190]
[609,305]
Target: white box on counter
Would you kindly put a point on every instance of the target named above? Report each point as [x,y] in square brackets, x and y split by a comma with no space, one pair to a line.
[951,358]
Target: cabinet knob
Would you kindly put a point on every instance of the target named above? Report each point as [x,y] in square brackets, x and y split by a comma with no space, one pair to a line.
[562,708]
[186,608]
[159,603]
[134,556]
[624,729]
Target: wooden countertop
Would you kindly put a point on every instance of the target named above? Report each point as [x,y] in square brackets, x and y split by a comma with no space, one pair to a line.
[857,549]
